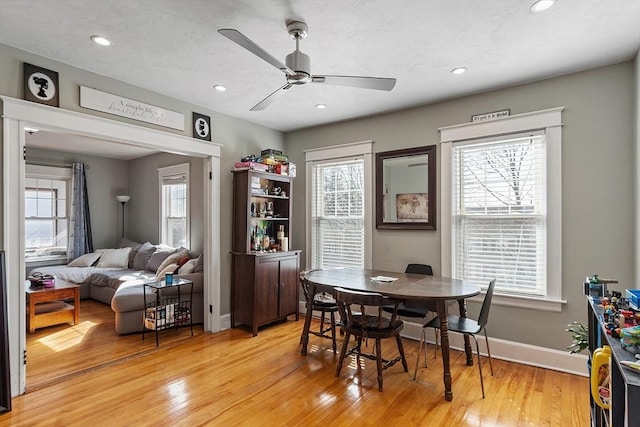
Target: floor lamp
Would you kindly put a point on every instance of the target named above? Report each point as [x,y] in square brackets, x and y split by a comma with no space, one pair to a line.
[123,200]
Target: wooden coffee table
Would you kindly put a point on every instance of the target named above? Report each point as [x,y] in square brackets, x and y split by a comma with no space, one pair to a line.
[68,313]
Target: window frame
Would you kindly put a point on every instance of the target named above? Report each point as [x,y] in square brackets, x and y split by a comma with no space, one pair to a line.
[550,123]
[166,173]
[54,173]
[358,150]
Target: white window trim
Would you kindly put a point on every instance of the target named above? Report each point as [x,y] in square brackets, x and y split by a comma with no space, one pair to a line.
[550,121]
[362,149]
[181,169]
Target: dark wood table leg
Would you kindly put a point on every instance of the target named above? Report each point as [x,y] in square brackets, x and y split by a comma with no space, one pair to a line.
[304,338]
[444,342]
[462,305]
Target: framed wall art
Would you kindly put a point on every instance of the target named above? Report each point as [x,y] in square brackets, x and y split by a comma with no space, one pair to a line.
[41,85]
[406,189]
[201,127]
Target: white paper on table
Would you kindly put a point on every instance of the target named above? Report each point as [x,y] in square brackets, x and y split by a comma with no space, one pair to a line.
[384,279]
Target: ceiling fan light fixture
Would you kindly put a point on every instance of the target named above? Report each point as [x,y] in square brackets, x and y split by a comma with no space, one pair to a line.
[102,41]
[220,88]
[542,5]
[459,70]
[321,106]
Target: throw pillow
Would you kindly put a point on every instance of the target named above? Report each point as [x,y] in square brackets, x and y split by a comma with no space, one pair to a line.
[114,258]
[170,268]
[187,268]
[199,267]
[156,260]
[174,258]
[142,256]
[86,260]
[126,243]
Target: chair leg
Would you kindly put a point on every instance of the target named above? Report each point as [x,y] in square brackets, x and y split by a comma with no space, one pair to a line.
[437,335]
[379,362]
[401,350]
[333,330]
[322,322]
[420,344]
[488,351]
[479,364]
[343,353]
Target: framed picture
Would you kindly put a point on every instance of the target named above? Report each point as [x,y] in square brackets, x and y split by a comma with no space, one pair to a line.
[201,127]
[41,85]
[406,189]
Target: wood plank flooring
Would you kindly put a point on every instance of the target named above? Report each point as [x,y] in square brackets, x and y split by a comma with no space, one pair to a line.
[233,379]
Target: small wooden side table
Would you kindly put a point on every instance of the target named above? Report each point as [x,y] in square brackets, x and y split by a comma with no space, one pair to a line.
[68,313]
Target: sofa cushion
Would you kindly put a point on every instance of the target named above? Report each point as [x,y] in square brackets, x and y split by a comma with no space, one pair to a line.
[86,260]
[187,267]
[170,268]
[115,278]
[142,256]
[157,259]
[118,258]
[174,258]
[199,267]
[135,246]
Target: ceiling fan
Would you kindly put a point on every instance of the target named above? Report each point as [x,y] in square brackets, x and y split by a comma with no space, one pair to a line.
[298,69]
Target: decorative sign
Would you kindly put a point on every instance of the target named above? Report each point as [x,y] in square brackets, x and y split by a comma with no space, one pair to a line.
[490,116]
[40,85]
[201,127]
[123,107]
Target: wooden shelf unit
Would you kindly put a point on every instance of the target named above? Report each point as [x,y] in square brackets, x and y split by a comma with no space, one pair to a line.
[264,284]
[625,384]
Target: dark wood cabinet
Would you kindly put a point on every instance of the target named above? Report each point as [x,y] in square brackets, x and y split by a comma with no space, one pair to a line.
[264,283]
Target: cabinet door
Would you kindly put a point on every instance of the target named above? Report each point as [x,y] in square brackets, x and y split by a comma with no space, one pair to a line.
[267,288]
[289,286]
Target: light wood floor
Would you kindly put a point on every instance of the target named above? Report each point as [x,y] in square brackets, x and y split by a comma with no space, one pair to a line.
[233,379]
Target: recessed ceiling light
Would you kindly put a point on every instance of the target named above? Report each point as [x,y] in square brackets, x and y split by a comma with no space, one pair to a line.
[459,70]
[101,40]
[541,5]
[321,106]
[220,88]
[30,131]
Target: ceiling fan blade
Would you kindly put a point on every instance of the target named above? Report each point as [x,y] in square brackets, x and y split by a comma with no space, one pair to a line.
[272,97]
[245,42]
[378,83]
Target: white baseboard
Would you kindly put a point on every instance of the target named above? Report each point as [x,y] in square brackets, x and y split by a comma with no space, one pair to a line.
[512,351]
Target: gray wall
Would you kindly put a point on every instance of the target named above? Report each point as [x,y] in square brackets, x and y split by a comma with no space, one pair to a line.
[238,137]
[598,187]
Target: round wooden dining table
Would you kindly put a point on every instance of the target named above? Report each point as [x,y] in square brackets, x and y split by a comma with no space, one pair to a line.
[402,286]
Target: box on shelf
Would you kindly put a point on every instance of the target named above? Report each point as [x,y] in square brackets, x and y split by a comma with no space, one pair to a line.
[251,166]
[270,152]
[633,297]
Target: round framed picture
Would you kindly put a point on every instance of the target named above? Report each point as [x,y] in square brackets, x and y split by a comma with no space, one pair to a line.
[40,85]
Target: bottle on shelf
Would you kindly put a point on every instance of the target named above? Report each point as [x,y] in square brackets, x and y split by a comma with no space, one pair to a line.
[280,234]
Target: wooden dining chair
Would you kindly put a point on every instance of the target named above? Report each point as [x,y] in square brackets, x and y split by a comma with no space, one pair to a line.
[373,325]
[323,303]
[416,309]
[469,327]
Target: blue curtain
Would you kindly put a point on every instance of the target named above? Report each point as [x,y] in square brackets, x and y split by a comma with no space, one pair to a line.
[80,239]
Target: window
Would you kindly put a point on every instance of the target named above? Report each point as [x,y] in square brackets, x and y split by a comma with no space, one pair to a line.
[174,205]
[46,212]
[503,209]
[340,222]
[499,214]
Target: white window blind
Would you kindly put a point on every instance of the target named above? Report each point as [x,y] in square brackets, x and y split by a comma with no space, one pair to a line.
[337,214]
[499,223]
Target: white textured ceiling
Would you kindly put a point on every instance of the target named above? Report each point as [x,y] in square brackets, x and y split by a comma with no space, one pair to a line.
[173,47]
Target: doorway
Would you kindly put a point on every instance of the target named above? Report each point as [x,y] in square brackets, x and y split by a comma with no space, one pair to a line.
[18,114]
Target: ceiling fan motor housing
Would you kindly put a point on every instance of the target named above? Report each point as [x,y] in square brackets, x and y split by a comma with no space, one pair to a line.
[301,64]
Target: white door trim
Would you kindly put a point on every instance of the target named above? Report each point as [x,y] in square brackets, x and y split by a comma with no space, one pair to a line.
[16,114]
